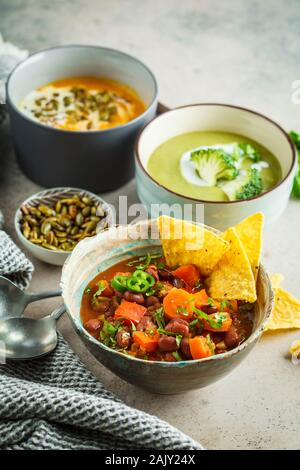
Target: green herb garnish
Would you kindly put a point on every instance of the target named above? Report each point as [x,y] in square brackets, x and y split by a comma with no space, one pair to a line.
[159,317]
[177,356]
[214,323]
[143,262]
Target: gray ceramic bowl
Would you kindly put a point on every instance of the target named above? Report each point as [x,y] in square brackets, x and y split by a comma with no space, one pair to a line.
[93,256]
[94,160]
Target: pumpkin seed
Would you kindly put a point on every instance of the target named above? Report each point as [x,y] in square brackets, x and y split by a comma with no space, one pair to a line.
[62,224]
[45,228]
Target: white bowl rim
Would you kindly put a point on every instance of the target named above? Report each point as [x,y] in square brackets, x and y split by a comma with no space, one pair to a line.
[184,363]
[207,201]
[39,195]
[91,46]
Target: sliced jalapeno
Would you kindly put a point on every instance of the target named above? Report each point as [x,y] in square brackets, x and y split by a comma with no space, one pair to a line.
[140,281]
[119,283]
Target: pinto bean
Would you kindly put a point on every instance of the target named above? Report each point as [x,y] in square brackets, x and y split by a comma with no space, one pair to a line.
[151,300]
[185,347]
[146,324]
[178,326]
[167,344]
[123,339]
[93,325]
[131,297]
[231,337]
[209,309]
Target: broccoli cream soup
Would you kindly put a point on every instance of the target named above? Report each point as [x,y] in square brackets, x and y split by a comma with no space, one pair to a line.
[214,166]
[83,104]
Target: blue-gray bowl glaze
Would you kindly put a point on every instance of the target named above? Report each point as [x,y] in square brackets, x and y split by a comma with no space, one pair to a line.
[156,377]
[95,160]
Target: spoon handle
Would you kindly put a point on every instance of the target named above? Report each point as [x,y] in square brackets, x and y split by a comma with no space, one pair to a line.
[43,295]
[57,312]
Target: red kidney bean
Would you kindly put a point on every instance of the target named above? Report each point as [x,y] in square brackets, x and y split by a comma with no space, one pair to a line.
[185,348]
[167,344]
[152,270]
[165,275]
[146,324]
[131,297]
[123,339]
[178,326]
[168,357]
[101,306]
[209,309]
[231,337]
[93,325]
[151,300]
[178,283]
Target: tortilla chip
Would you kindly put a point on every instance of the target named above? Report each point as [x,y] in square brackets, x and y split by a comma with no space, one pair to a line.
[250,231]
[276,279]
[233,278]
[286,311]
[184,242]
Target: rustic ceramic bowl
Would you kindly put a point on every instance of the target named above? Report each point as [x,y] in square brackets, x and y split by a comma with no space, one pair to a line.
[92,256]
[57,257]
[224,118]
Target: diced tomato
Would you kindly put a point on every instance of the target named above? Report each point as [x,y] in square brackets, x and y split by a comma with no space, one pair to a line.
[147,341]
[199,347]
[226,323]
[131,311]
[188,273]
[108,290]
[200,298]
[178,303]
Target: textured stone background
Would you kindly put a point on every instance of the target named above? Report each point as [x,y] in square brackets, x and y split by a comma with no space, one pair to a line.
[239,52]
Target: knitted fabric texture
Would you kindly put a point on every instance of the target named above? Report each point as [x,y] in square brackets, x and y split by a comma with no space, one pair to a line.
[13,263]
[55,403]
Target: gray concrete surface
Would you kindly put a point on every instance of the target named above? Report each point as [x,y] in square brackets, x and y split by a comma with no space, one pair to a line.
[241,52]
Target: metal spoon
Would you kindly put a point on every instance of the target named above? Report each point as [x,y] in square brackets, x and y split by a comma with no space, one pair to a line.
[13,300]
[26,338]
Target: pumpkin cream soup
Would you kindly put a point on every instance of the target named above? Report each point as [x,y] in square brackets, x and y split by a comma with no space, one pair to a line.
[214,166]
[83,104]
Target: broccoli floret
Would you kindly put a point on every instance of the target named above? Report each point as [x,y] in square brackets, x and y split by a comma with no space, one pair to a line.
[244,150]
[213,165]
[247,184]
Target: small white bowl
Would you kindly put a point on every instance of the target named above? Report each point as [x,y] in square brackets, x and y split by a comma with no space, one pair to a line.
[224,118]
[57,257]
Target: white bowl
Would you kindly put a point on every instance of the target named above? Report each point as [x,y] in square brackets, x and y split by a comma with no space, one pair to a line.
[57,257]
[223,118]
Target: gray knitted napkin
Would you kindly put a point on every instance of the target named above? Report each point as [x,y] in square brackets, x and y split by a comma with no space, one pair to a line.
[13,263]
[55,403]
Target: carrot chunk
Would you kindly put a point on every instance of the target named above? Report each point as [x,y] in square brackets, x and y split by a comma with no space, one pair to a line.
[188,273]
[200,298]
[199,347]
[178,303]
[130,311]
[148,341]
